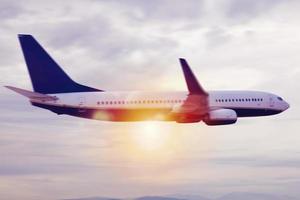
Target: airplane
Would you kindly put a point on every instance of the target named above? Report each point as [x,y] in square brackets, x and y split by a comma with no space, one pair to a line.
[54,90]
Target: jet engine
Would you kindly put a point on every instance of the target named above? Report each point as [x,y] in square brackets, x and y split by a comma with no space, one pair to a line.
[220,117]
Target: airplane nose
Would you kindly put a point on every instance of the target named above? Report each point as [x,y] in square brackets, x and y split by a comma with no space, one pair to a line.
[286,106]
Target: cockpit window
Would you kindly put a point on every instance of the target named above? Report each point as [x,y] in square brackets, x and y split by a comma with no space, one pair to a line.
[279,98]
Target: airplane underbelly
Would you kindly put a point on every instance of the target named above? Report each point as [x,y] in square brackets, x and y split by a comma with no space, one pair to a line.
[111,114]
[138,114]
[254,112]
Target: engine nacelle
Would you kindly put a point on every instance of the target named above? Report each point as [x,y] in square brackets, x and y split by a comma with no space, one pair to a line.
[220,117]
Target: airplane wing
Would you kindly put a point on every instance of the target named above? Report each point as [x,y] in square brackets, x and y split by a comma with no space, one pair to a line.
[196,103]
[32,95]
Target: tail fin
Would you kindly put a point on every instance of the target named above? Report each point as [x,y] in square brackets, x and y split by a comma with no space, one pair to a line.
[46,75]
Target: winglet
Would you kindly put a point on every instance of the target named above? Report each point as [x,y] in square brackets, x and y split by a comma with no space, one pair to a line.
[192,83]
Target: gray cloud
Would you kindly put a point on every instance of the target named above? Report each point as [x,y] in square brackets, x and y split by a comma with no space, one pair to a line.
[217,36]
[118,45]
[163,11]
[10,10]
[247,9]
[257,161]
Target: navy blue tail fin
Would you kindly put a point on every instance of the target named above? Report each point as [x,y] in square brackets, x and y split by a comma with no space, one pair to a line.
[46,75]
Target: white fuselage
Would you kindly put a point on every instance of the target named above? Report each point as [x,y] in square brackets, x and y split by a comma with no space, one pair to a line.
[108,105]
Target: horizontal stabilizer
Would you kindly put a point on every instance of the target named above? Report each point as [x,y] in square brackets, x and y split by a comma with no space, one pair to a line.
[32,95]
[192,83]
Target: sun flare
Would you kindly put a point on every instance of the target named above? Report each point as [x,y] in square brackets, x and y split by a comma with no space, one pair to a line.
[150,142]
[151,136]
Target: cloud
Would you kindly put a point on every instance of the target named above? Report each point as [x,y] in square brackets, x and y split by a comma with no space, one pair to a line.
[163,11]
[260,162]
[131,45]
[247,9]
[10,10]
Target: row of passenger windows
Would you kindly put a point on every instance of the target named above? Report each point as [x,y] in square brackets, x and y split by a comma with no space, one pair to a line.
[171,101]
[239,100]
[139,102]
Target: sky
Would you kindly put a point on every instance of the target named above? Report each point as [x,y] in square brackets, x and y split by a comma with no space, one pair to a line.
[135,45]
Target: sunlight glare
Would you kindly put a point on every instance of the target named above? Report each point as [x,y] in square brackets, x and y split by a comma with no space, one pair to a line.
[151,136]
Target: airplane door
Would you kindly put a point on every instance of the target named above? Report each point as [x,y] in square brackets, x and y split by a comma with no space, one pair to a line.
[81,105]
[271,101]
